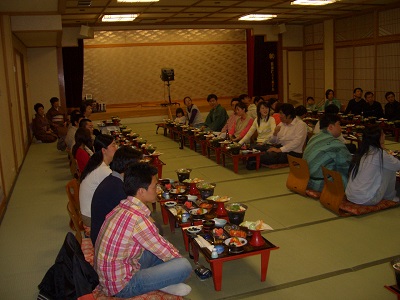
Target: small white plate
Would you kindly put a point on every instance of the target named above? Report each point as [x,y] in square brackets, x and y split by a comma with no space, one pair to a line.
[219,198]
[170,203]
[242,241]
[194,229]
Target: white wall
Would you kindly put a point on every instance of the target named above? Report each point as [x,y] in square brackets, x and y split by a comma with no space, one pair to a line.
[293,37]
[43,76]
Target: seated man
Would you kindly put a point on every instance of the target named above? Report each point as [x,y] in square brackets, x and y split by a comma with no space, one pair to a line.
[372,108]
[131,258]
[75,117]
[355,105]
[334,110]
[289,137]
[251,107]
[311,105]
[217,116]
[88,124]
[392,108]
[111,191]
[326,150]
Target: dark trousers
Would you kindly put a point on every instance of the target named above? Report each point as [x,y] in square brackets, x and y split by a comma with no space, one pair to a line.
[272,158]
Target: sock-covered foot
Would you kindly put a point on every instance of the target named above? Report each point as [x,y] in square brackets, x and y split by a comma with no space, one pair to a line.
[179,289]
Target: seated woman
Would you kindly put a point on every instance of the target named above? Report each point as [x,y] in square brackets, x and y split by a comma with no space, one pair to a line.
[180,116]
[330,99]
[373,172]
[263,124]
[41,127]
[83,148]
[231,121]
[257,99]
[242,123]
[274,104]
[96,170]
[193,114]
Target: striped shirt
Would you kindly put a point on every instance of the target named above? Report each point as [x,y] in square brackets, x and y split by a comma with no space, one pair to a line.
[325,150]
[126,232]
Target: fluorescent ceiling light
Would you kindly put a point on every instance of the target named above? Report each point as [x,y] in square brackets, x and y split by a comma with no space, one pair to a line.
[257,17]
[132,1]
[312,2]
[119,18]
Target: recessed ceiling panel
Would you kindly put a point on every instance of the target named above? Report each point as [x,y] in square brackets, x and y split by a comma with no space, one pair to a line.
[217,3]
[221,15]
[123,10]
[83,10]
[84,17]
[174,3]
[165,9]
[274,11]
[177,20]
[256,3]
[211,20]
[150,21]
[156,15]
[238,10]
[203,9]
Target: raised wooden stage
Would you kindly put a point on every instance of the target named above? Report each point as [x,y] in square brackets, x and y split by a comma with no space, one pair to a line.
[150,109]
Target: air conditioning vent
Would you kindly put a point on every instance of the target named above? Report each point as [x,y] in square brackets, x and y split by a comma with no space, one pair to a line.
[84,3]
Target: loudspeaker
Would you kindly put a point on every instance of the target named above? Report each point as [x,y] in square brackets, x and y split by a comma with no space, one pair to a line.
[86,32]
[167,74]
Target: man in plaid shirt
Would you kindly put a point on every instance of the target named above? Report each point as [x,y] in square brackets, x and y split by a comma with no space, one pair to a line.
[131,258]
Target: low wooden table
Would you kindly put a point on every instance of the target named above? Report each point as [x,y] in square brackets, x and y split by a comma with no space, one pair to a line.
[240,156]
[217,151]
[394,289]
[203,143]
[162,125]
[164,210]
[175,222]
[249,250]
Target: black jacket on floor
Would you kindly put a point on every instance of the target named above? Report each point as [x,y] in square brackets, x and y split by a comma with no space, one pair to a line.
[71,276]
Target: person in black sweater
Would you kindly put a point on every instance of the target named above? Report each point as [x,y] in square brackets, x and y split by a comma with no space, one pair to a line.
[392,108]
[355,105]
[111,190]
[372,108]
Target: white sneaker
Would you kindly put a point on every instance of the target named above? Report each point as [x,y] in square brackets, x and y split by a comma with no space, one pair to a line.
[179,289]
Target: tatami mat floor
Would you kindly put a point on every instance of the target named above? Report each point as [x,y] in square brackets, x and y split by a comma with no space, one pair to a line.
[321,255]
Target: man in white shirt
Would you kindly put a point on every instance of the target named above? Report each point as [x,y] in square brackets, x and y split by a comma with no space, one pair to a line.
[288,138]
[75,118]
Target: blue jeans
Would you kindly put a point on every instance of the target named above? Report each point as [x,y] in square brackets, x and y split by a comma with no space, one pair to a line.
[155,274]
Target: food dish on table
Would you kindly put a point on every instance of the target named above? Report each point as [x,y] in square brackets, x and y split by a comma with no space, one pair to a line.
[194,229]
